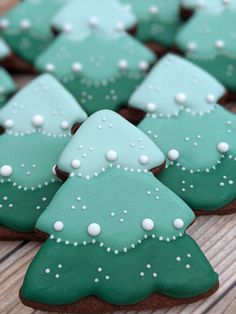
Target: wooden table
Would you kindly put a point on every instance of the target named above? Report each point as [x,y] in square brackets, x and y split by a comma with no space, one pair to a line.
[216,235]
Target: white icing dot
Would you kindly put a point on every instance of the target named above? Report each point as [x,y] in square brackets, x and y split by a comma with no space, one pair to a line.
[76,67]
[54,170]
[49,67]
[143,159]
[151,107]
[59,266]
[219,44]
[75,164]
[142,274]
[223,147]
[93,21]
[211,98]
[25,24]
[143,65]
[67,27]
[181,98]
[120,26]
[123,64]
[37,120]
[178,223]
[8,124]
[147,224]
[47,270]
[6,171]
[178,259]
[4,23]
[192,46]
[111,155]
[173,154]
[64,125]
[58,226]
[153,9]
[187,266]
[94,229]
[154,275]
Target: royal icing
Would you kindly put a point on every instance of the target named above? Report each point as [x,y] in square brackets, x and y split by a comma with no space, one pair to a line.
[30,146]
[83,17]
[101,71]
[158,20]
[26,28]
[208,39]
[107,140]
[112,230]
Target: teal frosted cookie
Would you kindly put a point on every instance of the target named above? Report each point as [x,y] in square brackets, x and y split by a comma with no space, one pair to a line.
[100,70]
[83,17]
[26,28]
[37,123]
[208,39]
[196,135]
[107,140]
[119,237]
[7,86]
[158,20]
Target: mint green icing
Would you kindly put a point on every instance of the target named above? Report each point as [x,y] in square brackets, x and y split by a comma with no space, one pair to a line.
[118,201]
[7,86]
[172,78]
[47,98]
[211,6]
[4,49]
[101,71]
[202,175]
[63,274]
[83,17]
[158,20]
[29,151]
[107,133]
[26,28]
[209,41]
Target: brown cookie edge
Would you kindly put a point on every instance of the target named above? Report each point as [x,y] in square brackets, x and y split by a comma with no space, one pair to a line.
[7,234]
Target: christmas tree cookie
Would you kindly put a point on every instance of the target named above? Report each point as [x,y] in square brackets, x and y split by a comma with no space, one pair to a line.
[36,125]
[106,140]
[196,135]
[117,242]
[26,28]
[84,16]
[100,70]
[208,40]
[158,21]
[7,86]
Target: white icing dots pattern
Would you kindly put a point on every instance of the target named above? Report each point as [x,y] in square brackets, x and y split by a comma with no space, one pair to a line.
[94,229]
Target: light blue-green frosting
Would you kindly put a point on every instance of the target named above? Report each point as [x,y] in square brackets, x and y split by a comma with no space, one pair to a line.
[212,6]
[43,106]
[106,140]
[83,17]
[4,49]
[102,201]
[175,84]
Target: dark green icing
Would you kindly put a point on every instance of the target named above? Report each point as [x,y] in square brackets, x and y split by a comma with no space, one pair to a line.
[202,176]
[63,274]
[158,20]
[26,28]
[100,82]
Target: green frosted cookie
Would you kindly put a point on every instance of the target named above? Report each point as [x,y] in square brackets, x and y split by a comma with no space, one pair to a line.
[196,135]
[208,39]
[7,86]
[37,123]
[158,20]
[83,17]
[100,70]
[120,237]
[107,140]
[26,28]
